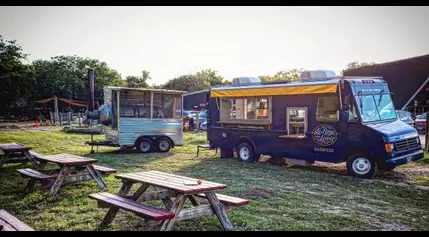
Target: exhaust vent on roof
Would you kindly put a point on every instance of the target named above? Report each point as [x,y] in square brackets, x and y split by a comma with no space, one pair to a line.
[246,81]
[317,75]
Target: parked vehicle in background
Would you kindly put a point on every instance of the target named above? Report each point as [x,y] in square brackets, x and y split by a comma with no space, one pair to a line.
[405,116]
[420,122]
[203,126]
[191,114]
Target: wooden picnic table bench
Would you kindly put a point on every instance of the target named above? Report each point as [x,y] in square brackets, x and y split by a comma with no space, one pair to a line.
[9,154]
[173,191]
[11,223]
[72,169]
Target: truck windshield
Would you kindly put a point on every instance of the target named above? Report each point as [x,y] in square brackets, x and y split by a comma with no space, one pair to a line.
[376,107]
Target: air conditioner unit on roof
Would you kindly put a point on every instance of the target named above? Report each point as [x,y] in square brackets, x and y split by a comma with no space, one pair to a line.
[246,81]
[317,75]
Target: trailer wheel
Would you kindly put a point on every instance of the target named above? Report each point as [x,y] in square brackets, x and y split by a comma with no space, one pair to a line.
[144,145]
[360,165]
[245,152]
[163,144]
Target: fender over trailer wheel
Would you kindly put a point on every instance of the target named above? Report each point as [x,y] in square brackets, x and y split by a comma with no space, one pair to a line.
[163,144]
[144,145]
[246,153]
[360,165]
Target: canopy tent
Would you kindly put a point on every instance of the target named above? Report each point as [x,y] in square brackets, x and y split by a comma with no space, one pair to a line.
[70,102]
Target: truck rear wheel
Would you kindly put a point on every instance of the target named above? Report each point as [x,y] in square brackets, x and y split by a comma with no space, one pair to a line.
[246,153]
[360,165]
[144,145]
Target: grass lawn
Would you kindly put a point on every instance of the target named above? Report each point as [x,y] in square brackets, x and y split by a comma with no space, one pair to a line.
[281,198]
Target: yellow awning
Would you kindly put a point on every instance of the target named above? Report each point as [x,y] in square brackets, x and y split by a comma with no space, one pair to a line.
[296,90]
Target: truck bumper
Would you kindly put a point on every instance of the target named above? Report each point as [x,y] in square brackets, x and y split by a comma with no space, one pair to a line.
[401,160]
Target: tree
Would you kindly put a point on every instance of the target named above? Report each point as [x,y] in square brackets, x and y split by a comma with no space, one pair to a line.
[138,82]
[67,77]
[189,83]
[16,77]
[356,64]
[201,80]
[284,75]
[210,76]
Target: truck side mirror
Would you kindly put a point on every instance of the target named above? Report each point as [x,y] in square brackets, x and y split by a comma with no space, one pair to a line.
[345,112]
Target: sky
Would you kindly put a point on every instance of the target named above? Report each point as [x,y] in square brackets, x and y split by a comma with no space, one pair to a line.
[235,41]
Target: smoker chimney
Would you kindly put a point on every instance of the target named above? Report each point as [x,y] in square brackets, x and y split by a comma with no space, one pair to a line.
[91,89]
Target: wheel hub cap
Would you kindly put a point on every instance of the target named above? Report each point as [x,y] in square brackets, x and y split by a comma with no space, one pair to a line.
[163,145]
[361,165]
[244,153]
[144,146]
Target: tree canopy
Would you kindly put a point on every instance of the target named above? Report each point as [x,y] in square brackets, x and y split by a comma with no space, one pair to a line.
[66,76]
[16,76]
[138,82]
[356,64]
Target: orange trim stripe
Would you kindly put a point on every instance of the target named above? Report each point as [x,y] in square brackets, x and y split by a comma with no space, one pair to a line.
[297,90]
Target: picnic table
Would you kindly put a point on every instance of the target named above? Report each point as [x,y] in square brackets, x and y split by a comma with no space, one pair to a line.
[173,190]
[72,169]
[11,223]
[9,154]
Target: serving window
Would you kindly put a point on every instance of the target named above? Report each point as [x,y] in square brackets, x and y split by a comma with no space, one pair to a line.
[249,109]
[297,121]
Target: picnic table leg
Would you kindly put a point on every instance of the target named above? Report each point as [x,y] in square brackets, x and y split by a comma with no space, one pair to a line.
[168,203]
[218,209]
[32,181]
[3,158]
[193,200]
[57,184]
[167,225]
[95,175]
[44,183]
[111,213]
[31,159]
[140,191]
[42,165]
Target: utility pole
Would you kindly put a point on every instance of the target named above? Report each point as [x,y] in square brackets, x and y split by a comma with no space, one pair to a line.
[56,113]
[427,132]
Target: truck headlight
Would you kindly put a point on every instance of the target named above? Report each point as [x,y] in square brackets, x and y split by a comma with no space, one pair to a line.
[389,147]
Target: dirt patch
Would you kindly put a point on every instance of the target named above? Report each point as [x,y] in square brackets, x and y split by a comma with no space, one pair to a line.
[256,192]
[8,127]
[375,222]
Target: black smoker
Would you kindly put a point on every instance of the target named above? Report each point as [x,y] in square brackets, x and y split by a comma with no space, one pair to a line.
[91,113]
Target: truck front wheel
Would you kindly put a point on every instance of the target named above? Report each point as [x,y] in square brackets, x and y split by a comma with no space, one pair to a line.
[360,165]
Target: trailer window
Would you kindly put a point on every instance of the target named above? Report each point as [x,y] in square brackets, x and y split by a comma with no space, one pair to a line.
[162,106]
[134,104]
[327,108]
[178,109]
[296,121]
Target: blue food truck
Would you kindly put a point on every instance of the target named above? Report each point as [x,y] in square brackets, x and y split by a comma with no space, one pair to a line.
[322,117]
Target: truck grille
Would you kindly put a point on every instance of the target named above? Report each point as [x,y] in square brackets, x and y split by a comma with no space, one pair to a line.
[407,144]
